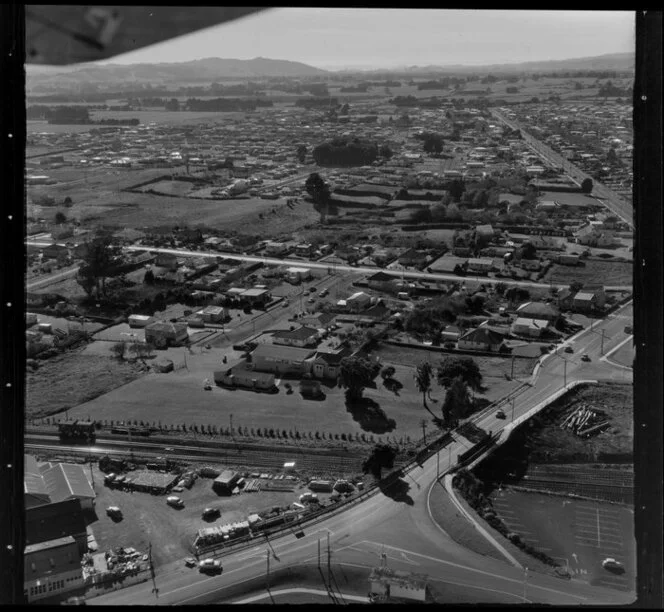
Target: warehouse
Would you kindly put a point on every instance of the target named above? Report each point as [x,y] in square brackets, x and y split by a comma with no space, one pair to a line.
[245,376]
[68,481]
[281,360]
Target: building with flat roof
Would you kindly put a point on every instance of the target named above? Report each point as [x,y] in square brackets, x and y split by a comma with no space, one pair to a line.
[225,482]
[56,520]
[51,568]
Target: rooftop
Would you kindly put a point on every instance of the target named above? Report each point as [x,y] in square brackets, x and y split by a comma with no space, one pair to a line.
[286,353]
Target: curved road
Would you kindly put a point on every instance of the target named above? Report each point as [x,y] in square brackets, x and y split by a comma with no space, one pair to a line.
[404,529]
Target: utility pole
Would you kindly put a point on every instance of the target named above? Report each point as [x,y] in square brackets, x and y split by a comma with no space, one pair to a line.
[602,347]
[512,373]
[267,576]
[565,372]
[329,559]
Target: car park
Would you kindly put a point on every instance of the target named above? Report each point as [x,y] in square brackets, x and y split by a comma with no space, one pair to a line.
[210,566]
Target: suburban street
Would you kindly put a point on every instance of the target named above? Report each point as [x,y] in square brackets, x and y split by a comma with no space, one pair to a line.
[404,529]
[614,202]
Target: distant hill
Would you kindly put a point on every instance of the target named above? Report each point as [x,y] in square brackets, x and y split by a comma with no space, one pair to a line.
[201,70]
[620,62]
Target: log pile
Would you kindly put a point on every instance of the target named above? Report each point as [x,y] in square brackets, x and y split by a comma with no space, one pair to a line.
[585,421]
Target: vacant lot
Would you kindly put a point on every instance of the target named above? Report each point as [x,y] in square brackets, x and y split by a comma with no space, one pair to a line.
[613,274]
[71,379]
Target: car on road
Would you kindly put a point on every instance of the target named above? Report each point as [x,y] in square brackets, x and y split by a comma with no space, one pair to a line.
[500,414]
[168,449]
[613,565]
[324,293]
[211,513]
[210,566]
[585,357]
[311,300]
[568,349]
[190,562]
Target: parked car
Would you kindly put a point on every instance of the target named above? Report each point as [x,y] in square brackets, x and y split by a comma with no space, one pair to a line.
[324,293]
[612,565]
[585,357]
[175,501]
[568,349]
[210,566]
[114,512]
[211,513]
[500,414]
[190,562]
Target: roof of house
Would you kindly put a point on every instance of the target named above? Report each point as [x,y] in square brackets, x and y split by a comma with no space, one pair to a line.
[541,323]
[535,308]
[321,318]
[584,295]
[164,326]
[334,357]
[483,335]
[289,353]
[253,292]
[380,277]
[358,295]
[65,480]
[55,520]
[301,333]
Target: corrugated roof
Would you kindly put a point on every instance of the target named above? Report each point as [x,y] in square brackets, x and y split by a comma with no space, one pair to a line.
[65,480]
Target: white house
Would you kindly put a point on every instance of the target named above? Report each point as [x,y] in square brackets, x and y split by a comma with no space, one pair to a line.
[529,327]
[358,301]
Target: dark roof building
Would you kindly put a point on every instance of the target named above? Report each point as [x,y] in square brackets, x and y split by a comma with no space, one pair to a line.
[56,520]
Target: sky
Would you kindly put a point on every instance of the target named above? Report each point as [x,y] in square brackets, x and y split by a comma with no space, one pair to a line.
[336,38]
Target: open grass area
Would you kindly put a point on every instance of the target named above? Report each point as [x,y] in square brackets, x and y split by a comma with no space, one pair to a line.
[71,379]
[615,274]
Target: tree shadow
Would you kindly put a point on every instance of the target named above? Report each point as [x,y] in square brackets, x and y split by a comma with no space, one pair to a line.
[396,489]
[370,416]
[393,385]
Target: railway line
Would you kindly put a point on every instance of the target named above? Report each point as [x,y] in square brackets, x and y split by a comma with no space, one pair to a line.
[613,493]
[240,456]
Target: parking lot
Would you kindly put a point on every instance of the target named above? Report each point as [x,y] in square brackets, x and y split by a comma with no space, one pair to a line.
[579,534]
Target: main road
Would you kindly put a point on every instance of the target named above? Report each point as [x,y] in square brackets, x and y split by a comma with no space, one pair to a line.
[614,202]
[401,526]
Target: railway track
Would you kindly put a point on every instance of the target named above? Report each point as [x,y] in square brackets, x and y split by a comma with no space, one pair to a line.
[614,493]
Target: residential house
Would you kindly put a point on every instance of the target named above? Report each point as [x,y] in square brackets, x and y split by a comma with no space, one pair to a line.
[381,281]
[319,320]
[413,258]
[327,364]
[56,251]
[480,265]
[481,339]
[539,310]
[246,376]
[167,260]
[565,298]
[450,334]
[450,265]
[585,301]
[52,567]
[163,334]
[256,296]
[358,301]
[532,328]
[280,360]
[213,314]
[304,250]
[66,481]
[301,337]
[598,292]
[276,249]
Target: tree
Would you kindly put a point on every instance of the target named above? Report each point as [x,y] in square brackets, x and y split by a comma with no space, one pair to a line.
[587,185]
[60,218]
[385,152]
[387,372]
[423,377]
[319,191]
[301,153]
[148,279]
[118,349]
[355,374]
[456,189]
[464,368]
[101,256]
[456,403]
[382,456]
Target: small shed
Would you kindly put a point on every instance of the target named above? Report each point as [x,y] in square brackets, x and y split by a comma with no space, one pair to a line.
[225,482]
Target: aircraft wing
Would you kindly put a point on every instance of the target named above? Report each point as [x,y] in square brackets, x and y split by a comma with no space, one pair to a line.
[60,35]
